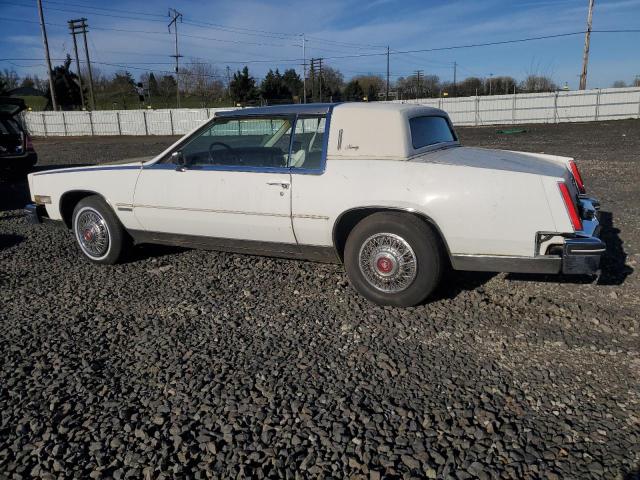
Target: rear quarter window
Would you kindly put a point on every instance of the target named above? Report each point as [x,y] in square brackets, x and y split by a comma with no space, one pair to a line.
[427,131]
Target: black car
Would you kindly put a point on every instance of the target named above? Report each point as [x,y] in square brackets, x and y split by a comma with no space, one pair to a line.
[16,149]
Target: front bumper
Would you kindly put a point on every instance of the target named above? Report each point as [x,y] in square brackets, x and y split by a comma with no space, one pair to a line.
[36,214]
[581,253]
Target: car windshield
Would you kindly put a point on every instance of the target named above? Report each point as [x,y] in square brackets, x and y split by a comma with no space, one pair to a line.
[431,130]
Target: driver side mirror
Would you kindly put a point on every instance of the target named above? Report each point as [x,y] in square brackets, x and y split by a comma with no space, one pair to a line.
[178,159]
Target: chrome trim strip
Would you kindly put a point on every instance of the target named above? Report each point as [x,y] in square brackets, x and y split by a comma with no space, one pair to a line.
[87,169]
[210,210]
[514,264]
[309,216]
[231,212]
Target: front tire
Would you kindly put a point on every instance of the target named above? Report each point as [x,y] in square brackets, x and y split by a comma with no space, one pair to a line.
[394,259]
[98,231]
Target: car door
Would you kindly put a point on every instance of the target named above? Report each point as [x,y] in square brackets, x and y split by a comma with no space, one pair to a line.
[230,180]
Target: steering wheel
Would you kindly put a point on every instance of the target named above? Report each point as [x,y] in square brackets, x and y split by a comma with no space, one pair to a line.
[211,150]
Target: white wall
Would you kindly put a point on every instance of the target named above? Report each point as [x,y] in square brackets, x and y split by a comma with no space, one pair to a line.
[573,106]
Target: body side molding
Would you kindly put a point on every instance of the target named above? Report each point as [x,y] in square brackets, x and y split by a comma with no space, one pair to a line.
[251,247]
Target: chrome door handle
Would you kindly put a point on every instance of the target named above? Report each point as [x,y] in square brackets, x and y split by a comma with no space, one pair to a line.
[284,185]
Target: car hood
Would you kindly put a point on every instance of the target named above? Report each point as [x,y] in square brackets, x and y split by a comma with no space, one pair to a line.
[495,160]
[129,161]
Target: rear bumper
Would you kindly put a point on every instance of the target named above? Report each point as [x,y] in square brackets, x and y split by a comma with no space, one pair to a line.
[579,254]
[29,159]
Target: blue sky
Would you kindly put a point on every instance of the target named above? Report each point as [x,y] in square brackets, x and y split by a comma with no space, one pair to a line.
[266,34]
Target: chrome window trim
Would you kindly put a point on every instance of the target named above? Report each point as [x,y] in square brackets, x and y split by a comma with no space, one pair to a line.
[159,165]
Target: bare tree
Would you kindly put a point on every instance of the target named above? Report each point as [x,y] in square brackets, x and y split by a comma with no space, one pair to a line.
[538,83]
[619,84]
[201,80]
[411,87]
[11,78]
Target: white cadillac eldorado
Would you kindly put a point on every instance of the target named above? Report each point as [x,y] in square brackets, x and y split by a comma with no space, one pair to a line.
[386,189]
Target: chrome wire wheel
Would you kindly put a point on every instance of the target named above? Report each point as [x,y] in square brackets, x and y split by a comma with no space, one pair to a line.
[388,262]
[92,233]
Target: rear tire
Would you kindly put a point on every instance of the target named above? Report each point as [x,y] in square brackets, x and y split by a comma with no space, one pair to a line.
[100,235]
[394,259]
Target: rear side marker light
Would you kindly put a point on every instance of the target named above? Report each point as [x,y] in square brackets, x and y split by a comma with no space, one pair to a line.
[576,175]
[42,199]
[570,206]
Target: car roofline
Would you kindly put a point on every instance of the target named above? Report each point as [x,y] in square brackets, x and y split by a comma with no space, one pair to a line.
[294,109]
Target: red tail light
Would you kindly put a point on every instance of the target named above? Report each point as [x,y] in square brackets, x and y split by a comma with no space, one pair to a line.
[571,207]
[29,143]
[576,175]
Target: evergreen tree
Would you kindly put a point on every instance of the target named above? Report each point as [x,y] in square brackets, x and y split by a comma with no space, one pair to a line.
[353,91]
[66,86]
[293,82]
[154,91]
[273,87]
[243,87]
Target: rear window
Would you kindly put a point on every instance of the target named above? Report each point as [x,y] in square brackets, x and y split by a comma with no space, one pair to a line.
[9,127]
[427,131]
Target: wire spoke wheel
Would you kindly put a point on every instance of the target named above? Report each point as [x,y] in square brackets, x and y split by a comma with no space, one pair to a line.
[387,262]
[92,233]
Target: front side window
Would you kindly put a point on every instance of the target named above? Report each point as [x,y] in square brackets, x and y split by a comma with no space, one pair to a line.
[308,142]
[427,131]
[244,142]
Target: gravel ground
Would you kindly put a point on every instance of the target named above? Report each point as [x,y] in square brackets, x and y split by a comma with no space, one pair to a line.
[184,363]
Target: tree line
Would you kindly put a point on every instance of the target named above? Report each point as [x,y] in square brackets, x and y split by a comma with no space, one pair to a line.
[203,85]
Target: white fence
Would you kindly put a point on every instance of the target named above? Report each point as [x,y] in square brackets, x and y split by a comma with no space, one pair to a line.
[555,107]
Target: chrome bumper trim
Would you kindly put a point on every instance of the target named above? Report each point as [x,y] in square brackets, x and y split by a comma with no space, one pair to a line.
[581,253]
[502,263]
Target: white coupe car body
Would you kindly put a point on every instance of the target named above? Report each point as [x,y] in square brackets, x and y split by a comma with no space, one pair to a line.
[492,210]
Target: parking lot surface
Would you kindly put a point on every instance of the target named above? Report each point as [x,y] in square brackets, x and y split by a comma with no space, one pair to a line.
[185,363]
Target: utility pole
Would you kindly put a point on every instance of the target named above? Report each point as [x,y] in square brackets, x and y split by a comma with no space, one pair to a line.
[80,26]
[490,82]
[455,78]
[75,49]
[316,65]
[587,41]
[418,84]
[228,81]
[175,15]
[54,103]
[304,69]
[386,95]
[86,52]
[320,79]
